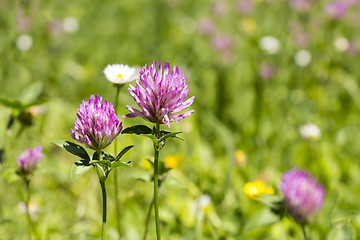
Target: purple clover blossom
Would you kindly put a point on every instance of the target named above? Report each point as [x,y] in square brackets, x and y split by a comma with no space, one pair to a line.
[160,94]
[96,125]
[303,196]
[28,160]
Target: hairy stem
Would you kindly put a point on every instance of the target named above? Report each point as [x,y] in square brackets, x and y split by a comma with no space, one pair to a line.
[304,231]
[31,225]
[103,190]
[156,183]
[117,201]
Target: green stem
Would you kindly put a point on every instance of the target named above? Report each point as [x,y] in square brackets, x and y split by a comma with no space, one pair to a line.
[27,199]
[102,174]
[303,231]
[31,225]
[117,201]
[148,219]
[156,183]
[103,190]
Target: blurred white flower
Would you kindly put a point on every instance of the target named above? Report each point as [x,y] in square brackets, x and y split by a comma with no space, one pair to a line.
[33,209]
[269,44]
[204,201]
[302,58]
[203,204]
[70,24]
[119,73]
[341,44]
[24,42]
[310,131]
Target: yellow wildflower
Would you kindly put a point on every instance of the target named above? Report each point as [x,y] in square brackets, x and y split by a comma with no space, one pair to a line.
[254,189]
[248,25]
[146,165]
[173,161]
[240,158]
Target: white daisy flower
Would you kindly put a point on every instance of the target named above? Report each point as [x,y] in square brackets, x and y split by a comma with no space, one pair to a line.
[119,73]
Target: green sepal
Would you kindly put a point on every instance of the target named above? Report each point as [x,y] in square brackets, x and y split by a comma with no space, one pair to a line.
[104,156]
[78,169]
[73,148]
[101,162]
[153,138]
[164,133]
[121,164]
[166,136]
[137,129]
[125,150]
[101,172]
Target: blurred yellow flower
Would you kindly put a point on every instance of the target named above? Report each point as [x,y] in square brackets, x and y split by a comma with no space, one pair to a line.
[254,189]
[240,158]
[173,161]
[248,25]
[146,165]
[257,0]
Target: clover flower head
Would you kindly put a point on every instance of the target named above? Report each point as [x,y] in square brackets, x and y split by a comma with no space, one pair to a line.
[303,196]
[96,125]
[119,73]
[28,160]
[160,94]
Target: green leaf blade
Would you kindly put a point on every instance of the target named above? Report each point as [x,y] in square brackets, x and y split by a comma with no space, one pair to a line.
[137,129]
[77,170]
[262,218]
[163,138]
[121,164]
[72,148]
[125,150]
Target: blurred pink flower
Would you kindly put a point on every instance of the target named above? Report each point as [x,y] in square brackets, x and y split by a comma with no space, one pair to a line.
[244,6]
[266,71]
[350,2]
[221,43]
[206,26]
[23,22]
[301,4]
[336,9]
[54,27]
[28,160]
[301,39]
[219,9]
[303,195]
[353,49]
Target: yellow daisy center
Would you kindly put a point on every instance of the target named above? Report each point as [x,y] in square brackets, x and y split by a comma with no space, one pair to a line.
[119,76]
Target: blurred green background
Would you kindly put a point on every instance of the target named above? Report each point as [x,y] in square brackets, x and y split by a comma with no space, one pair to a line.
[259,71]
